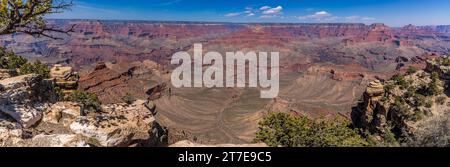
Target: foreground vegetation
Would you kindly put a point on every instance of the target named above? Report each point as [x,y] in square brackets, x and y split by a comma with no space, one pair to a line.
[407,110]
[89,101]
[285,130]
[11,61]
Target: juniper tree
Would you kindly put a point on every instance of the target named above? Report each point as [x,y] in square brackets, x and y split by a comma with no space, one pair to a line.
[27,16]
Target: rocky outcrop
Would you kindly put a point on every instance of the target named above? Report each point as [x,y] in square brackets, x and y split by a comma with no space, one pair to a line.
[29,117]
[65,78]
[118,125]
[375,89]
[401,104]
[23,98]
[122,125]
[371,113]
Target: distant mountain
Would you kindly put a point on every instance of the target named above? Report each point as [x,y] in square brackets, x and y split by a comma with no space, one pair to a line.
[440,28]
[95,40]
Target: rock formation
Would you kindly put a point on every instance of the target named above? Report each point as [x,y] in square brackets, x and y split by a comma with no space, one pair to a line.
[24,97]
[65,78]
[122,125]
[402,104]
[371,113]
[114,82]
[30,116]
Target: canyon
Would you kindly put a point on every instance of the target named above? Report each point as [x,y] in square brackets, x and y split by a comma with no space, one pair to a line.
[325,68]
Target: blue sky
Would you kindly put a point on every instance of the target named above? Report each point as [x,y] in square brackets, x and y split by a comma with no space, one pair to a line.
[390,12]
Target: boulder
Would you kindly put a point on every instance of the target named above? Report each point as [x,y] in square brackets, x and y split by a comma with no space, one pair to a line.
[19,89]
[62,112]
[26,115]
[25,97]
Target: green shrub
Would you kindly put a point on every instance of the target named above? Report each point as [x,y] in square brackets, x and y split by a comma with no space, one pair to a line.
[89,101]
[35,68]
[400,107]
[420,100]
[400,80]
[410,92]
[128,98]
[389,138]
[388,87]
[412,70]
[281,129]
[446,61]
[417,115]
[59,93]
[9,60]
[433,87]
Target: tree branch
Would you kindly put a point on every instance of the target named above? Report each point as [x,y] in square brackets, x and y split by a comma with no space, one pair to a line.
[28,18]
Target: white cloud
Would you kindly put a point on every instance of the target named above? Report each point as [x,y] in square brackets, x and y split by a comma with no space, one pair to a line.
[264,8]
[276,10]
[249,11]
[317,16]
[232,14]
[321,14]
[264,12]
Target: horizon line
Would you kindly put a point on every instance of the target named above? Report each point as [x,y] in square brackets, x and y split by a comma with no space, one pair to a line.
[225,22]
